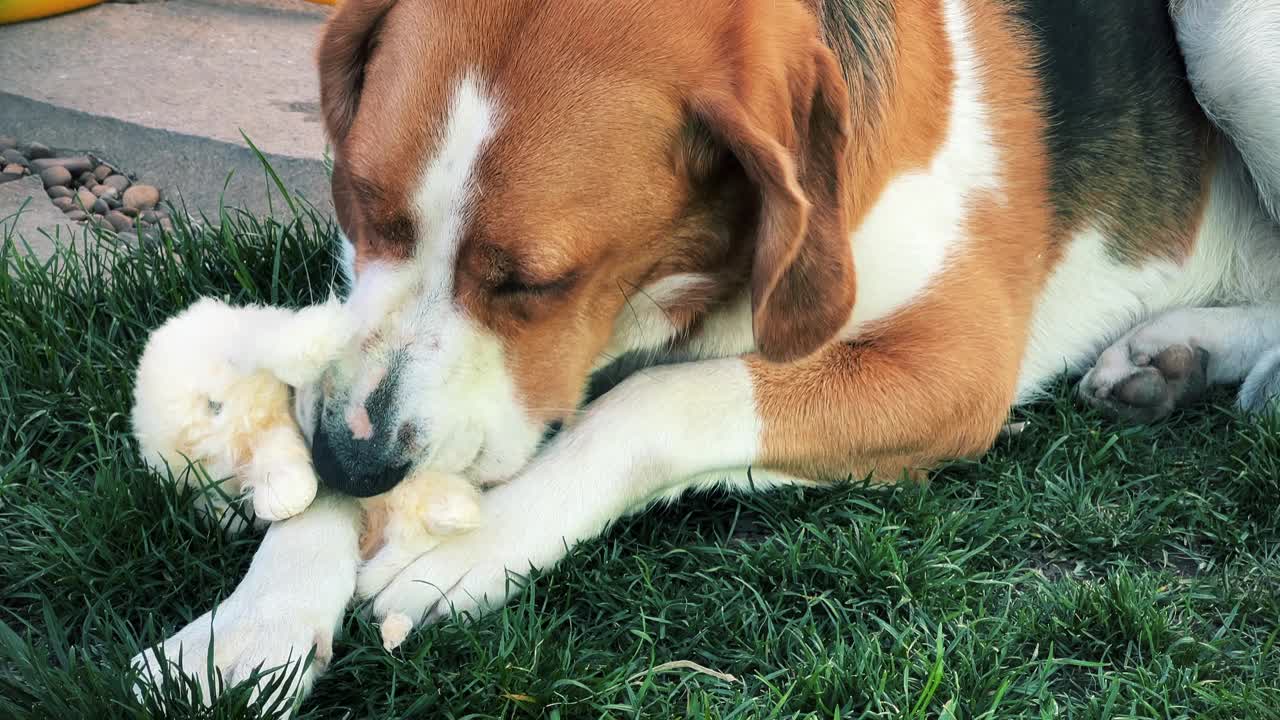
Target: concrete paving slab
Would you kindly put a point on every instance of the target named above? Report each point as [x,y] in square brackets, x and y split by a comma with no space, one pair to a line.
[165,89]
[29,221]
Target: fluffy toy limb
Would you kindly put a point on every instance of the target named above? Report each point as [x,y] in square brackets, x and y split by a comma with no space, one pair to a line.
[212,388]
[409,521]
[432,502]
[293,345]
[280,475]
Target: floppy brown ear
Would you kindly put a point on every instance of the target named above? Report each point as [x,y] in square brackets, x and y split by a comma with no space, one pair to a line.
[802,278]
[348,40]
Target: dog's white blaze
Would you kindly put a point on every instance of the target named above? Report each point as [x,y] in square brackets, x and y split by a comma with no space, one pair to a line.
[919,222]
[448,184]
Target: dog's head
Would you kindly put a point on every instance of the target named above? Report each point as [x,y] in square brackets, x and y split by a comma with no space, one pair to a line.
[530,189]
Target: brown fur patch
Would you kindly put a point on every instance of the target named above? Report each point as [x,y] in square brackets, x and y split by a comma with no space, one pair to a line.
[908,394]
[373,530]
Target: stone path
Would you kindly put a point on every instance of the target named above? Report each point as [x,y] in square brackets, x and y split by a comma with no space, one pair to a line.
[164,89]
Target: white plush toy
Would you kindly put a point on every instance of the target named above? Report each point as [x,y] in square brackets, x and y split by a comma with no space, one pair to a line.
[213,389]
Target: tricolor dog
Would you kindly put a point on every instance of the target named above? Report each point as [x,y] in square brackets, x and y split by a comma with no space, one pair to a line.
[847,235]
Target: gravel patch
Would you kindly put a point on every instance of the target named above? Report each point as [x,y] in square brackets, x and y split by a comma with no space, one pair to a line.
[86,189]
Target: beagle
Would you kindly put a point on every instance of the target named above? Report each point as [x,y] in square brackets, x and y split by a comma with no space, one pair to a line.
[844,236]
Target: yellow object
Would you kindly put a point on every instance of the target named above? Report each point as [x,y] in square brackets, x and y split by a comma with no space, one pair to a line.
[12,11]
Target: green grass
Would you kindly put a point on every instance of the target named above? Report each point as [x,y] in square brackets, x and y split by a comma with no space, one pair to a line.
[1080,570]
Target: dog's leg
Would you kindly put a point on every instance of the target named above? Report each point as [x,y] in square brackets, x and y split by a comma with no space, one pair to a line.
[1261,388]
[1171,360]
[289,603]
[847,410]
[1232,49]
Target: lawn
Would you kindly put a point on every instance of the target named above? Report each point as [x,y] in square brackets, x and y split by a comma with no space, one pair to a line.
[1080,570]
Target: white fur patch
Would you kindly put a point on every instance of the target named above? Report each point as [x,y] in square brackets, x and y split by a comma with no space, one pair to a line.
[919,222]
[1091,299]
[645,324]
[725,332]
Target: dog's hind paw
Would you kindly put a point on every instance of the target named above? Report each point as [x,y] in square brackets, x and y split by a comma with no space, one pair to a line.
[1140,388]
[1261,388]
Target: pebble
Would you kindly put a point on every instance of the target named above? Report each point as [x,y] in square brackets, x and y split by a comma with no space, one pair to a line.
[100,207]
[128,238]
[102,172]
[55,176]
[38,151]
[64,203]
[85,198]
[15,169]
[57,191]
[74,165]
[8,177]
[8,142]
[149,217]
[129,212]
[119,222]
[119,182]
[99,223]
[77,215]
[13,157]
[103,191]
[113,201]
[141,197]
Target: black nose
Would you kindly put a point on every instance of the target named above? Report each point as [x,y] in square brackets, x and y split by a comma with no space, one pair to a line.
[360,469]
[360,466]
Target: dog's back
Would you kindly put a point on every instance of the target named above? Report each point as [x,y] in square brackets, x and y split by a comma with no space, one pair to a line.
[1126,139]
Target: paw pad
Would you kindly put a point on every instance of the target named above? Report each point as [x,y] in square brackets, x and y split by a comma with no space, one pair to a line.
[1154,386]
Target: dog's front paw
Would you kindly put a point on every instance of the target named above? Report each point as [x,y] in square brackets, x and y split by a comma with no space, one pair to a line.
[471,573]
[288,606]
[282,649]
